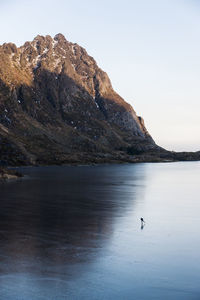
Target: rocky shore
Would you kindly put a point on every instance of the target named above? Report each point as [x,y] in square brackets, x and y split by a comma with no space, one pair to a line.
[9,174]
[108,158]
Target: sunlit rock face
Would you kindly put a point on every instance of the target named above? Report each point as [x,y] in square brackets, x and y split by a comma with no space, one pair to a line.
[58,106]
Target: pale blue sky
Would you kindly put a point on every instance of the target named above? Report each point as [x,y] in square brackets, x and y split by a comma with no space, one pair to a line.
[150,50]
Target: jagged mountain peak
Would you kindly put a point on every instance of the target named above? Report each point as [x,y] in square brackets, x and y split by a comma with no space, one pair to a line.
[60,37]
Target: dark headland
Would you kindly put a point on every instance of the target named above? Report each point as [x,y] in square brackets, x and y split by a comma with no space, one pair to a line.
[58,107]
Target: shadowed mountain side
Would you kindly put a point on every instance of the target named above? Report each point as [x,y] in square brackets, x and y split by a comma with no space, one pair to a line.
[38,125]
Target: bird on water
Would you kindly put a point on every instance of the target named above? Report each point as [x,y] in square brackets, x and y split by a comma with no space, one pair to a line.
[142,223]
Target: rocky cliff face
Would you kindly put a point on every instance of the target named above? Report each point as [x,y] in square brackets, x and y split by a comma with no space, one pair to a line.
[57,106]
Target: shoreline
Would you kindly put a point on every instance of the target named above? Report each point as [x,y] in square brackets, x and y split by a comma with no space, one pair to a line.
[11,172]
[80,163]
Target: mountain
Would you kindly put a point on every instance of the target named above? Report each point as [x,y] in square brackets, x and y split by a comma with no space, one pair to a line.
[57,106]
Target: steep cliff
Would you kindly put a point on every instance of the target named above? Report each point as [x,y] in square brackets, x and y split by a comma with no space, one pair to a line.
[57,106]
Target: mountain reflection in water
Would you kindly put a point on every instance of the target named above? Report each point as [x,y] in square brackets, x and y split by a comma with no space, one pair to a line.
[58,216]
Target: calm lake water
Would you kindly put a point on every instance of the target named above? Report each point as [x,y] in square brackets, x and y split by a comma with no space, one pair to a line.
[75,233]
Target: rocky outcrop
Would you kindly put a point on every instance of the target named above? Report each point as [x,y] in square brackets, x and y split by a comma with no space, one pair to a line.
[58,106]
[9,174]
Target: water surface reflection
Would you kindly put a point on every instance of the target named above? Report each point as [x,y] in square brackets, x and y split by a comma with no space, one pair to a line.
[58,217]
[75,233]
